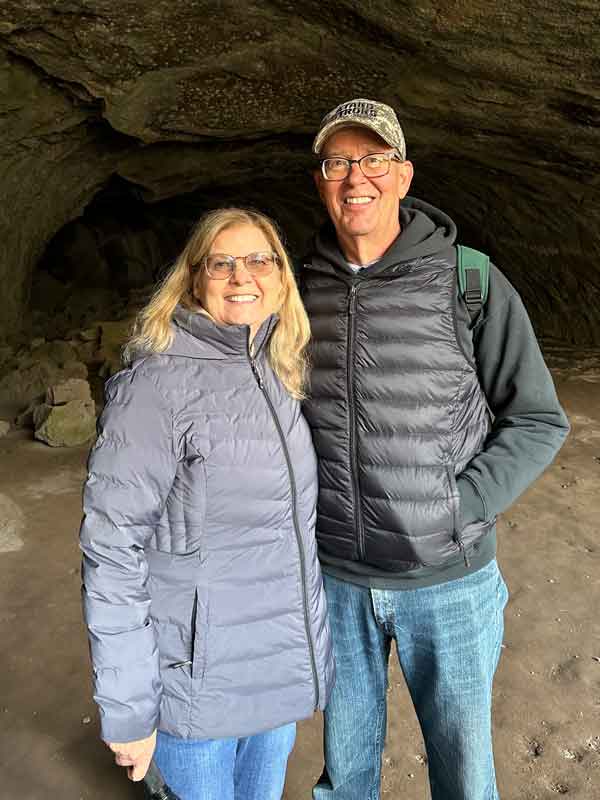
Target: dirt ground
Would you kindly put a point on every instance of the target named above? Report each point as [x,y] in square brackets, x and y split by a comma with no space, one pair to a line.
[547,691]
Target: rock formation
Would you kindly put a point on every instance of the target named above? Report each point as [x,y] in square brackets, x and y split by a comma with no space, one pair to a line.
[217,100]
[68,416]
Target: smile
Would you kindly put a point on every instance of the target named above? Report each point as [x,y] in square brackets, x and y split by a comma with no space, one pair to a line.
[242,298]
[358,201]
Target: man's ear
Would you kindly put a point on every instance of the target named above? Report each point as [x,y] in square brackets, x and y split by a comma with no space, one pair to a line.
[318,179]
[406,171]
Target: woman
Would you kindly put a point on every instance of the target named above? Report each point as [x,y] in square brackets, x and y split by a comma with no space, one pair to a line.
[202,592]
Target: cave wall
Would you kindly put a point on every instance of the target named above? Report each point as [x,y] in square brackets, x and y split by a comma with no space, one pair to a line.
[500,105]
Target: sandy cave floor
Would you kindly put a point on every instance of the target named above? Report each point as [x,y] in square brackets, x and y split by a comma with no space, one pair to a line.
[547,691]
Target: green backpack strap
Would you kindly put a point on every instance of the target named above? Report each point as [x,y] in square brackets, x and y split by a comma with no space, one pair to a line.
[473,277]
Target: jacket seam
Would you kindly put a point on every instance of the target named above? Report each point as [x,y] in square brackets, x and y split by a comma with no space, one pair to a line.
[454,409]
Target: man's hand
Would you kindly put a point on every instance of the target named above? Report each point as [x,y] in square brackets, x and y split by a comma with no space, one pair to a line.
[136,756]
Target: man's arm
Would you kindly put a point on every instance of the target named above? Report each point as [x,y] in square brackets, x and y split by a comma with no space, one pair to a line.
[529,424]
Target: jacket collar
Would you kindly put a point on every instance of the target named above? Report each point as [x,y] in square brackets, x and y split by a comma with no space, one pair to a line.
[197,335]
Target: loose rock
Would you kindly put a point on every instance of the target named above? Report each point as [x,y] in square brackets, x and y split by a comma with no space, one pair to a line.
[72,389]
[25,384]
[71,424]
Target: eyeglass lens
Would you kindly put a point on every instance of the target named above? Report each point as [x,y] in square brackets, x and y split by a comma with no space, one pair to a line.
[221,265]
[373,165]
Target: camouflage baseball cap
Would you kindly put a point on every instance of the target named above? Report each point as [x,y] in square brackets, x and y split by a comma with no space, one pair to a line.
[370,114]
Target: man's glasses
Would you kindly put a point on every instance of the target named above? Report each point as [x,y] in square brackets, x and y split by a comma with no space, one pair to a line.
[221,266]
[373,165]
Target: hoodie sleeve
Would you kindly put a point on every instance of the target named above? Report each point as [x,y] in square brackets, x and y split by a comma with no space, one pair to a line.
[130,472]
[529,425]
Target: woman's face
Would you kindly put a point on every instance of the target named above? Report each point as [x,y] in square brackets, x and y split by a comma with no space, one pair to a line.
[241,299]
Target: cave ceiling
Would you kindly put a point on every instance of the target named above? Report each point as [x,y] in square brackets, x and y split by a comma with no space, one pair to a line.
[500,105]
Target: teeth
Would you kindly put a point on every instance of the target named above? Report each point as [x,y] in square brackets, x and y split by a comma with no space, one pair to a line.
[242,298]
[358,200]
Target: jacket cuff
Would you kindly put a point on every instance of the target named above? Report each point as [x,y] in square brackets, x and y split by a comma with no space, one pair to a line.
[131,731]
[472,508]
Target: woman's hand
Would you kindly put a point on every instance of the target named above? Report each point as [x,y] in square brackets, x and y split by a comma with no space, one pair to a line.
[136,756]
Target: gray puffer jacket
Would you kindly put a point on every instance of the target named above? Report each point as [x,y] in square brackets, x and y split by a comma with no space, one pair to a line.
[202,590]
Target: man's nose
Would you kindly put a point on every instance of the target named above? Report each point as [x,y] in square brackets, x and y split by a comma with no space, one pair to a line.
[355,175]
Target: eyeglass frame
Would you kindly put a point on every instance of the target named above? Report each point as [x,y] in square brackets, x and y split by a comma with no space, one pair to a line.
[233,263]
[392,155]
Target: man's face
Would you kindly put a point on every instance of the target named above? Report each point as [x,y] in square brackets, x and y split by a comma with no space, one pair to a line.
[361,206]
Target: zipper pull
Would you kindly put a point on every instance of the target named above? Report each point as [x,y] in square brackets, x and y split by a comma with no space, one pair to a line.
[178,664]
[461,547]
[257,374]
[352,299]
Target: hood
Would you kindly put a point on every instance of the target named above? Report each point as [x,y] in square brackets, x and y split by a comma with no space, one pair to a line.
[196,335]
[425,232]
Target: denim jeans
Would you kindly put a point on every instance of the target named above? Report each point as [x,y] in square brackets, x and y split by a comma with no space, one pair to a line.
[252,768]
[448,639]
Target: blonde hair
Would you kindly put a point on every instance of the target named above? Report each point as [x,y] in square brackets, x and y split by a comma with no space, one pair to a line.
[153,331]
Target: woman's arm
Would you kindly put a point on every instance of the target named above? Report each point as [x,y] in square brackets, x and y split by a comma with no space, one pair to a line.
[131,470]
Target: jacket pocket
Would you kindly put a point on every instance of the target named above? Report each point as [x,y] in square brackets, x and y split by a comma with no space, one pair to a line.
[174,655]
[439,547]
[465,536]
[454,499]
[178,611]
[190,653]
[199,638]
[457,534]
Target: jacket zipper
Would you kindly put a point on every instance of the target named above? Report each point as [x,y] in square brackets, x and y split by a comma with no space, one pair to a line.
[456,519]
[461,547]
[351,337]
[360,531]
[259,380]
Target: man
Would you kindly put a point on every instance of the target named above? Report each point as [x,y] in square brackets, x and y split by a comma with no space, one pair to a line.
[427,425]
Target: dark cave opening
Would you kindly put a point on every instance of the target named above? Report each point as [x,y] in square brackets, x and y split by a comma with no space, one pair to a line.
[102,264]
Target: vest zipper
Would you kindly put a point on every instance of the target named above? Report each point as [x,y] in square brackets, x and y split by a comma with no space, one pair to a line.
[360,531]
[461,547]
[311,649]
[456,517]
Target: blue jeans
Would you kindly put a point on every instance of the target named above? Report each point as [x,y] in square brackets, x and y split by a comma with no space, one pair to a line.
[448,639]
[252,768]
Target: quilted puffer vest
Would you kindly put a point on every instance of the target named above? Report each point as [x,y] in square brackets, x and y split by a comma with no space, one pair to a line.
[396,412]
